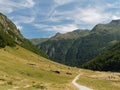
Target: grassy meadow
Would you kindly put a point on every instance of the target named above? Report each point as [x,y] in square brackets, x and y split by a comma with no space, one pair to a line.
[100,80]
[23,70]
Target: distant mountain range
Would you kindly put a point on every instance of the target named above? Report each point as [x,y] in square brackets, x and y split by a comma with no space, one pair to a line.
[96,49]
[80,46]
[57,46]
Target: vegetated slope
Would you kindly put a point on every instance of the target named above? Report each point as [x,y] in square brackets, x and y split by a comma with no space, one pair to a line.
[10,35]
[107,61]
[23,70]
[37,41]
[101,37]
[80,50]
[57,46]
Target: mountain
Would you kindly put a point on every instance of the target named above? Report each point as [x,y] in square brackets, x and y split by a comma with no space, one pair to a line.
[21,69]
[107,61]
[101,37]
[37,41]
[85,47]
[57,46]
[10,35]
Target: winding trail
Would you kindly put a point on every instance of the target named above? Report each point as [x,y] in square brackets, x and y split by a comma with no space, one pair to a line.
[80,87]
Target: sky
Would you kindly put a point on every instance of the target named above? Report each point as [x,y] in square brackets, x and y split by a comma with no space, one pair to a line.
[44,18]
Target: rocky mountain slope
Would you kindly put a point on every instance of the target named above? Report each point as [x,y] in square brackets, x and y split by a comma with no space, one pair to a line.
[10,35]
[58,46]
[9,31]
[83,49]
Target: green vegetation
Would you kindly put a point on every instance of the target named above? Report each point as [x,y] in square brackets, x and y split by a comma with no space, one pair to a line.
[58,46]
[10,36]
[6,40]
[107,61]
[87,45]
[28,45]
[22,69]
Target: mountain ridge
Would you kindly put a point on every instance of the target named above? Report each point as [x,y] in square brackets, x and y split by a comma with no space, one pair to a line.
[59,44]
[10,35]
[83,49]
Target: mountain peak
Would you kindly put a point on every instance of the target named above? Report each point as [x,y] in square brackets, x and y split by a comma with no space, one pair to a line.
[115,22]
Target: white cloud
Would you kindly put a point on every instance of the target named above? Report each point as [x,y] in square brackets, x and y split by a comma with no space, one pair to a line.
[113,5]
[5,10]
[8,6]
[57,28]
[28,3]
[114,17]
[59,2]
[64,28]
[24,19]
[88,15]
[91,15]
[40,26]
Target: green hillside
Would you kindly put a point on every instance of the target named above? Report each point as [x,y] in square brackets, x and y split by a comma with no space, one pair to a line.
[10,35]
[75,52]
[101,37]
[57,46]
[23,70]
[107,61]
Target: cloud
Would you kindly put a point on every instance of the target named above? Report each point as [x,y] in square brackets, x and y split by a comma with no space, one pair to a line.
[40,26]
[114,17]
[91,15]
[88,15]
[59,2]
[57,28]
[8,6]
[24,19]
[28,3]
[60,16]
[65,28]
[113,5]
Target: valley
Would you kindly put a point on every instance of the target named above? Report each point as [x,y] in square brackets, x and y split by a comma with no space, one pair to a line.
[21,69]
[60,62]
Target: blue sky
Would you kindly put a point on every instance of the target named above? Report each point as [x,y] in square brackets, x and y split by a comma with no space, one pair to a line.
[44,18]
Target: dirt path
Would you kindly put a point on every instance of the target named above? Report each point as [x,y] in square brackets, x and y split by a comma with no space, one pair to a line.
[80,87]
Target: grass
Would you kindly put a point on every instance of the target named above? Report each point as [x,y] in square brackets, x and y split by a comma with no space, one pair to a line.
[24,70]
[100,80]
[21,69]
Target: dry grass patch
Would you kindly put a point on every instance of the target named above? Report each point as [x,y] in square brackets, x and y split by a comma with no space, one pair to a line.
[100,80]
